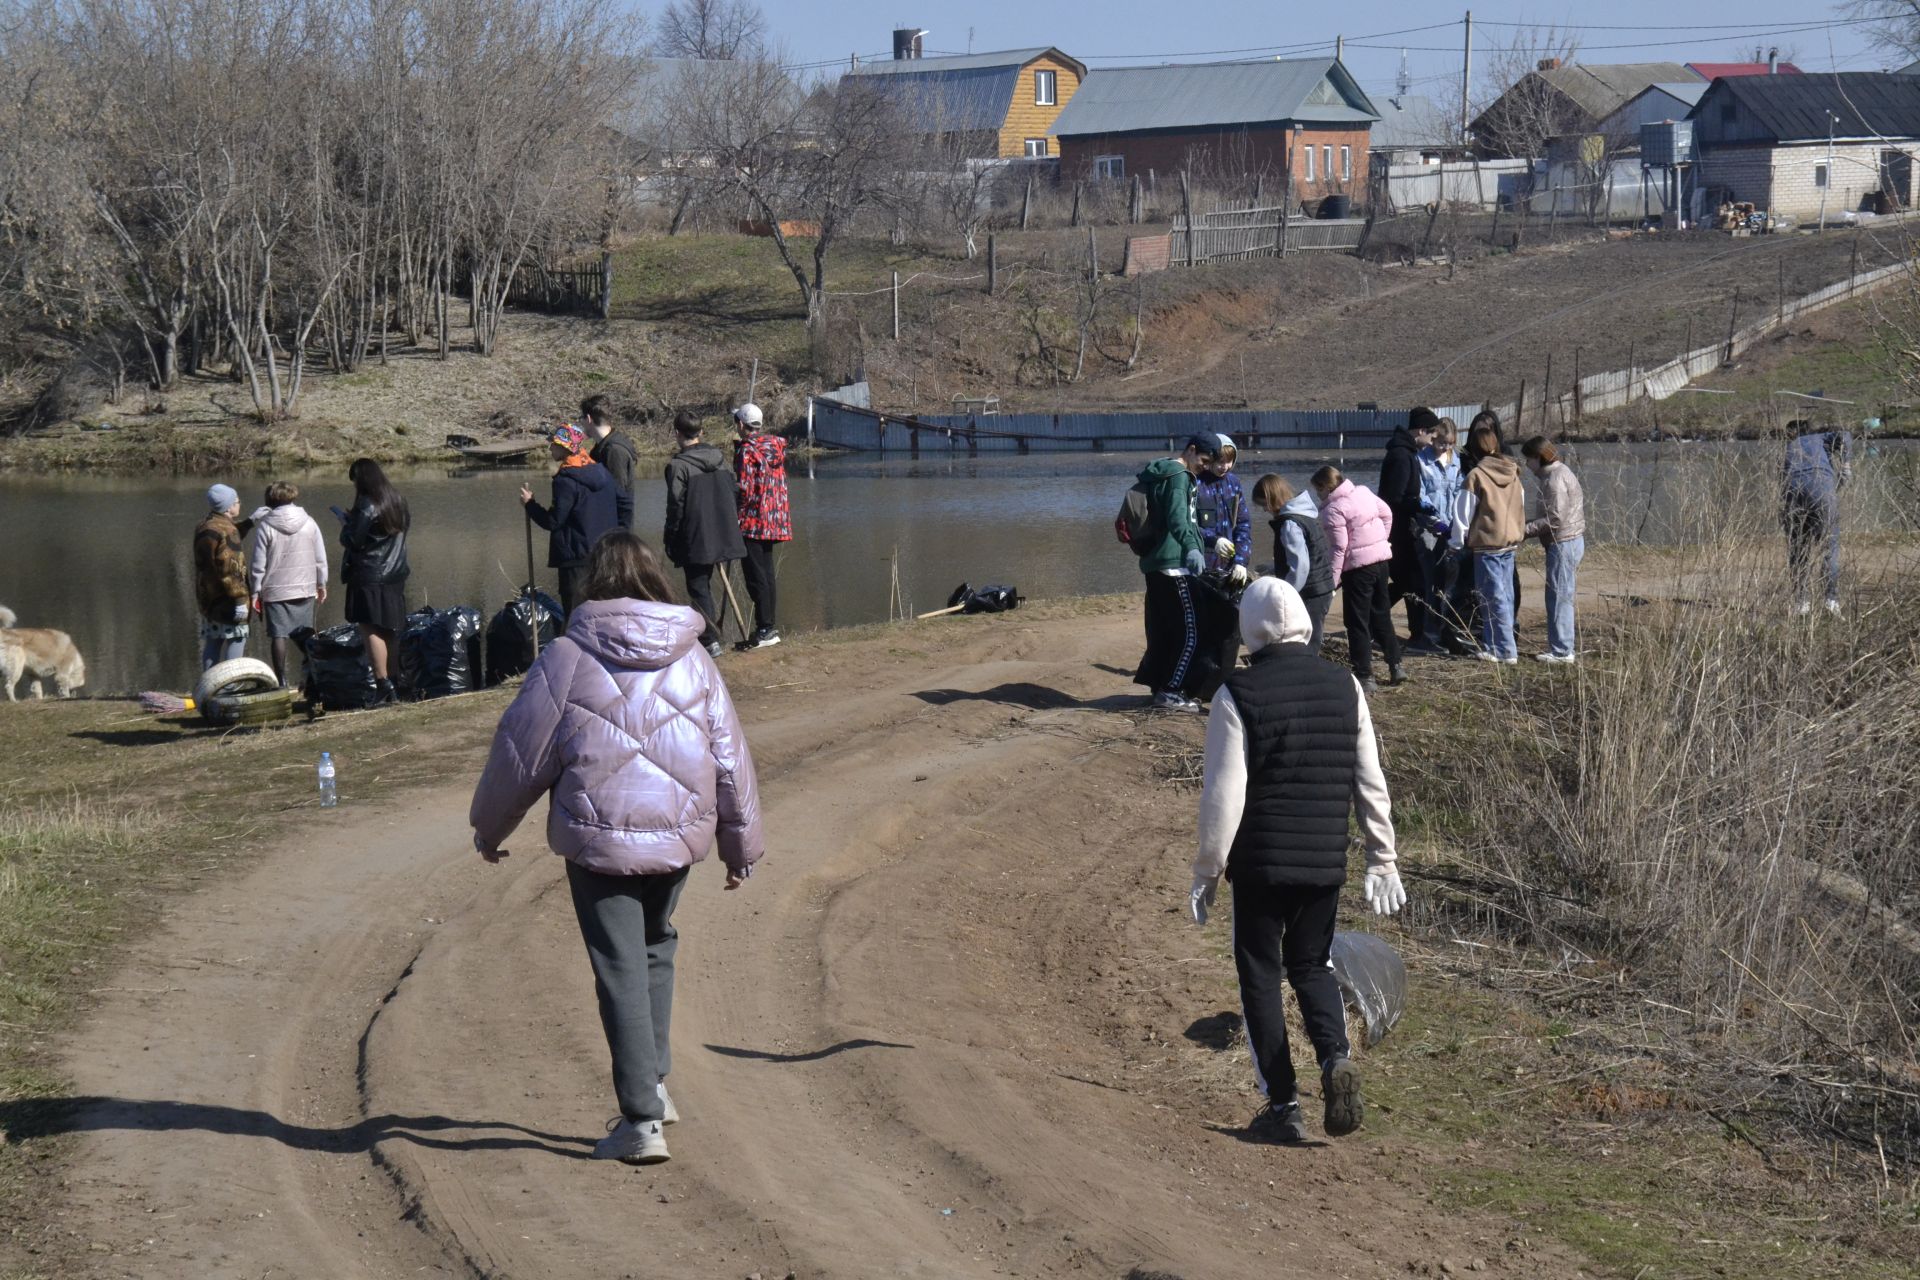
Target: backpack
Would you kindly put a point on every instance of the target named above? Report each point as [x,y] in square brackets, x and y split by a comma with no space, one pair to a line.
[1137,526]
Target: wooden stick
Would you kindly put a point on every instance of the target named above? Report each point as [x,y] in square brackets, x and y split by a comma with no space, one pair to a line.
[726,583]
[533,603]
[941,613]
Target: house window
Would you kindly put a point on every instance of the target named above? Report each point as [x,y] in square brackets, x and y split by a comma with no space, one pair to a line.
[1820,176]
[1036,148]
[1109,166]
[1045,88]
[1308,175]
[1346,164]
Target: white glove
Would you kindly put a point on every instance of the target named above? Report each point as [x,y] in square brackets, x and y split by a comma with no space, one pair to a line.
[1195,563]
[1200,897]
[1384,892]
[1224,548]
[240,613]
[1238,576]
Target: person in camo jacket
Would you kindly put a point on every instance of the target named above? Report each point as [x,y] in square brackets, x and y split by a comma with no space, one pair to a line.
[766,520]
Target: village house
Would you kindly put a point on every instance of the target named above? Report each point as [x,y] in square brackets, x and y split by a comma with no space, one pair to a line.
[1564,100]
[1303,117]
[1796,145]
[983,105]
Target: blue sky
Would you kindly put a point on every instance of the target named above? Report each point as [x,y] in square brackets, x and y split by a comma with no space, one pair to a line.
[814,31]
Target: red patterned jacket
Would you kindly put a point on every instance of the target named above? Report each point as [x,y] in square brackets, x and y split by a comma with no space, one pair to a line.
[760,466]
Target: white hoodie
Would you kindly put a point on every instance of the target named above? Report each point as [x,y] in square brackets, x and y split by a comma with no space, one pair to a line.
[1271,613]
[288,558]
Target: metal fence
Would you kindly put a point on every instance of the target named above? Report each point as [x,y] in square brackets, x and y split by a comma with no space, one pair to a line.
[869,431]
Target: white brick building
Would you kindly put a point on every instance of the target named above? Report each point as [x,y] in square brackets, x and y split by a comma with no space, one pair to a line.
[1765,139]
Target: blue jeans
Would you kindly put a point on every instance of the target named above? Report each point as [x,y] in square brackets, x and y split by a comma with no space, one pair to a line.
[220,644]
[1563,563]
[1493,579]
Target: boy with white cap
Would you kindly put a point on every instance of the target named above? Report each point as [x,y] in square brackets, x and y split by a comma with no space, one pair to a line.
[1290,755]
[766,516]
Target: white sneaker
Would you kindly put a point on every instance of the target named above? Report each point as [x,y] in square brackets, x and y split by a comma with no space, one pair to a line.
[1802,609]
[1510,662]
[1558,659]
[636,1142]
[1833,607]
[1486,655]
[673,1113]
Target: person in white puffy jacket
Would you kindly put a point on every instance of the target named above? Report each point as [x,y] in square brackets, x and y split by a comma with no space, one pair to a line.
[1290,756]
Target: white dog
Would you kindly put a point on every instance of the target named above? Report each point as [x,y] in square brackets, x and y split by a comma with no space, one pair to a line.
[41,654]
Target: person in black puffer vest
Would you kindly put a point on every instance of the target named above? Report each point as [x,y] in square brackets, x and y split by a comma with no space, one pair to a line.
[1290,755]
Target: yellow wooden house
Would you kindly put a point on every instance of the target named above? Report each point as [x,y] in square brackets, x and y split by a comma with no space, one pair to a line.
[982,104]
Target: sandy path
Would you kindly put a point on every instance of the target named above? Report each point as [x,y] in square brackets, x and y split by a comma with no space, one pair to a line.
[894,1051]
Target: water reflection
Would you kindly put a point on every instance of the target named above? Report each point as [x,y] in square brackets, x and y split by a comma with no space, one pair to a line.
[107,558]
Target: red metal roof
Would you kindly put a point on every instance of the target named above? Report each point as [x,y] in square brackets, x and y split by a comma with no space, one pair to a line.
[1715,70]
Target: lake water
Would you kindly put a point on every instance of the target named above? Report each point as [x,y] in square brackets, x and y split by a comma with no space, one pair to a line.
[108,558]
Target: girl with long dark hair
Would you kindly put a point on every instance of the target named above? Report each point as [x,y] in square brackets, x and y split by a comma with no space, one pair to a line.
[625,725]
[375,569]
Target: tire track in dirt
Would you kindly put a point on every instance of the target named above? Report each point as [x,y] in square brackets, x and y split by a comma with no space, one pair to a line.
[889,1052]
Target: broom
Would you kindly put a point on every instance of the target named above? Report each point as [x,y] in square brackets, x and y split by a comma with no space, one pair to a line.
[164,704]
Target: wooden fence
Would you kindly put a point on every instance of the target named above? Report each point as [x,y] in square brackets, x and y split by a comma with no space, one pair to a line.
[1227,235]
[583,290]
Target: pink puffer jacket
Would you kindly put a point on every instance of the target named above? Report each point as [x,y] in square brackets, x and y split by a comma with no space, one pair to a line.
[1358,527]
[626,724]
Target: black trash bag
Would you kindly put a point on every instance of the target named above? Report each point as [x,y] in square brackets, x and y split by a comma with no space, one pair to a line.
[1373,978]
[994,599]
[510,634]
[440,652]
[338,676]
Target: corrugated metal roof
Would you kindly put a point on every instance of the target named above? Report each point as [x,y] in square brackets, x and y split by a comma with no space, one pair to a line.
[1715,70]
[963,101]
[1411,122]
[1868,104]
[1600,89]
[958,62]
[1688,93]
[1129,99]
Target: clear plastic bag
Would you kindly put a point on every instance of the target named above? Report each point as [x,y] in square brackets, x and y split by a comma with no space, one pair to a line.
[1372,978]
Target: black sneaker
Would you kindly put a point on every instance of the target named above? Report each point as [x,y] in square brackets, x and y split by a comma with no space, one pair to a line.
[1369,685]
[1340,1083]
[762,638]
[1396,675]
[1279,1123]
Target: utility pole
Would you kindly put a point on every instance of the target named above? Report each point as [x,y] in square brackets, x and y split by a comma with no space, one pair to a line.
[1466,76]
[1828,184]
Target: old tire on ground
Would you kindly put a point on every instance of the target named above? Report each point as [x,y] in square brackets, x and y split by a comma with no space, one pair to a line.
[237,675]
[263,707]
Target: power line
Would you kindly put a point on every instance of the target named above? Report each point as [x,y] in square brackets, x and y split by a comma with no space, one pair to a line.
[1274,48]
[1640,44]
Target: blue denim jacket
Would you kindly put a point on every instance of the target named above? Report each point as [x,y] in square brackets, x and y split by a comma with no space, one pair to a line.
[1439,483]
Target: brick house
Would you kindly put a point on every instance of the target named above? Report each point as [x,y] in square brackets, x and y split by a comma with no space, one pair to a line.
[1793,144]
[1306,117]
[990,105]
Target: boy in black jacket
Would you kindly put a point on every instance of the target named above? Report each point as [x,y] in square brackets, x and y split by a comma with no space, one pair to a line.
[703,519]
[584,507]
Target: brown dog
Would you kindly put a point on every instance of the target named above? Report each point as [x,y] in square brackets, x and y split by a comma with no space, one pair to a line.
[41,654]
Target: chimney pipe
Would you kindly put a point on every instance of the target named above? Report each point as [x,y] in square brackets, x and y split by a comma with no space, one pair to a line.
[1548,64]
[908,43]
[1773,62]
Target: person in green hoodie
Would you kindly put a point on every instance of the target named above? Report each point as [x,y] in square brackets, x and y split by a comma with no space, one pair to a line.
[1169,563]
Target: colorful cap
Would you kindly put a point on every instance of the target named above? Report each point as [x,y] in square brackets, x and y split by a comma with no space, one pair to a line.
[572,438]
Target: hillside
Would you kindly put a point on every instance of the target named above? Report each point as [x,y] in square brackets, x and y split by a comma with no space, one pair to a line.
[694,317]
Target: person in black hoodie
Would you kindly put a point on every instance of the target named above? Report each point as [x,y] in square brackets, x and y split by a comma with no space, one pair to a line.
[1400,490]
[375,569]
[703,519]
[585,506]
[613,450]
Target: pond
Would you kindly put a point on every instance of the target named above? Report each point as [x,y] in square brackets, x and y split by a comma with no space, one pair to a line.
[108,558]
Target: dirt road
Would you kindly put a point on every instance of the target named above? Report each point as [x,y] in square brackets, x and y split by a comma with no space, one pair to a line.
[912,1046]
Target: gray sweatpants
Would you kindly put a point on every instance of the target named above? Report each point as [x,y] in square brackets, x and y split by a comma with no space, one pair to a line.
[627,924]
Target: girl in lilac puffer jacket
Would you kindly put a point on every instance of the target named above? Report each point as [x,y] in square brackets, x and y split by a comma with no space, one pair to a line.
[625,725]
[1359,534]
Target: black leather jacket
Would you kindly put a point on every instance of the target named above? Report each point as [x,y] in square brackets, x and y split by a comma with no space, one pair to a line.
[372,558]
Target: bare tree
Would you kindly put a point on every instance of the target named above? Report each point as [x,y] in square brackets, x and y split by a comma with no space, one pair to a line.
[1892,25]
[712,29]
[1520,110]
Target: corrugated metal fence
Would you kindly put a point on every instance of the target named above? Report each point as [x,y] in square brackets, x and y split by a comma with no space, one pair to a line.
[845,427]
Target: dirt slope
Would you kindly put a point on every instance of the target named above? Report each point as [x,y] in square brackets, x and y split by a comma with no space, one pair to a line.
[903,1050]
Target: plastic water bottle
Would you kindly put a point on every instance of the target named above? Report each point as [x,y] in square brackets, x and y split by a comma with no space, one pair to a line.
[328,796]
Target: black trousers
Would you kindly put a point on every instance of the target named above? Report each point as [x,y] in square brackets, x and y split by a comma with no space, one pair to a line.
[700,595]
[1367,611]
[1407,574]
[760,586]
[1317,609]
[627,924]
[1173,635]
[1287,930]
[573,585]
